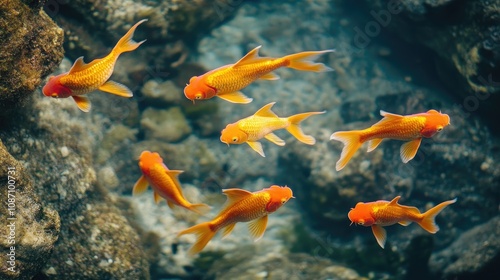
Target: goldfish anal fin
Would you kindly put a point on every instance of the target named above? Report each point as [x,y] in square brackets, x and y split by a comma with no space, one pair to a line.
[235,97]
[265,111]
[257,146]
[275,139]
[79,65]
[227,230]
[251,57]
[116,88]
[140,186]
[157,197]
[394,201]
[404,223]
[409,150]
[82,102]
[380,234]
[170,204]
[389,115]
[258,227]
[373,144]
[270,77]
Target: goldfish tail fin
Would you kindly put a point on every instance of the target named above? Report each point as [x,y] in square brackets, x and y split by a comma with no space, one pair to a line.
[204,234]
[428,223]
[126,43]
[200,208]
[351,141]
[305,61]
[295,129]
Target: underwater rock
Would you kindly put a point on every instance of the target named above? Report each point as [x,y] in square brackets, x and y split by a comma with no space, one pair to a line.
[161,94]
[30,49]
[475,252]
[465,35]
[167,125]
[28,228]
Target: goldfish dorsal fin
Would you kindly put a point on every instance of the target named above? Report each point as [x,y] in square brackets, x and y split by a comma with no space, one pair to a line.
[78,66]
[266,111]
[174,174]
[389,115]
[251,57]
[140,186]
[257,227]
[394,202]
[380,235]
[233,196]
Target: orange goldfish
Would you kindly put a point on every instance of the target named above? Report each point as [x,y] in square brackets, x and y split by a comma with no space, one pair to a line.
[227,81]
[261,125]
[384,213]
[84,78]
[406,128]
[241,206]
[164,182]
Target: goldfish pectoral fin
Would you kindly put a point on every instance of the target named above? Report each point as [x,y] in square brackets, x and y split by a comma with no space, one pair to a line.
[79,65]
[380,235]
[235,97]
[257,146]
[116,88]
[404,223]
[140,186]
[295,129]
[251,57]
[156,197]
[270,77]
[373,144]
[170,204]
[227,230]
[409,150]
[265,111]
[82,102]
[275,139]
[257,227]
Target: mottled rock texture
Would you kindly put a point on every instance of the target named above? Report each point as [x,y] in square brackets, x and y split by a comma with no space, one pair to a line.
[464,35]
[28,227]
[30,48]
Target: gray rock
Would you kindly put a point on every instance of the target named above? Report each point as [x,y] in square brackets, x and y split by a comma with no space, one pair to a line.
[28,227]
[474,252]
[164,93]
[167,125]
[30,48]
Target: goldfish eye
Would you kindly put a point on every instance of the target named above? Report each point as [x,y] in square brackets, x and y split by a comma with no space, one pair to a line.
[234,139]
[198,96]
[54,95]
[360,223]
[283,200]
[439,128]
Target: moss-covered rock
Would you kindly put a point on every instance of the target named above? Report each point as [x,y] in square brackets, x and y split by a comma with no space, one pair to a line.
[30,49]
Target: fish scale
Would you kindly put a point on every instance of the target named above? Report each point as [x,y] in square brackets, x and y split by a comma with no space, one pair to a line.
[91,78]
[257,127]
[243,211]
[406,129]
[233,79]
[389,215]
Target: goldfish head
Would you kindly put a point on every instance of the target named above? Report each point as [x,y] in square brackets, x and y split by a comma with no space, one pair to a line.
[147,160]
[434,123]
[361,215]
[197,89]
[279,196]
[54,88]
[232,134]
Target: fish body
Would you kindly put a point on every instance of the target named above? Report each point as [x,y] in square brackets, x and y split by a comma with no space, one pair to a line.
[241,206]
[227,81]
[84,78]
[164,182]
[382,213]
[410,128]
[261,125]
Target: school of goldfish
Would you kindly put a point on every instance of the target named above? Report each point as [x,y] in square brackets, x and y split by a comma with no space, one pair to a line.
[226,82]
